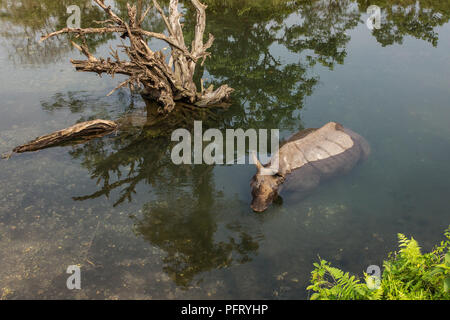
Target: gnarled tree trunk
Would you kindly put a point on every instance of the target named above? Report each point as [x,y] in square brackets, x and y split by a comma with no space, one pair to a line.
[166,82]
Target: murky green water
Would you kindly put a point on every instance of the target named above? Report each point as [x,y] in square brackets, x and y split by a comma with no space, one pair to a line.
[142,227]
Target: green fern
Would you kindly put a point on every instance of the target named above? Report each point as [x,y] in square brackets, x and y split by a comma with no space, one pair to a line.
[408,275]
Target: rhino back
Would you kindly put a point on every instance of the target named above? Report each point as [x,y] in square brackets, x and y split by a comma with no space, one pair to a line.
[321,154]
[358,139]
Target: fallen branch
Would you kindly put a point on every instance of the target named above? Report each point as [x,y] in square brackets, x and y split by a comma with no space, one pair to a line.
[81,131]
[85,131]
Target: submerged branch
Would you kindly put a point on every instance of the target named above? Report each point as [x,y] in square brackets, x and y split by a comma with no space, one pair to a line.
[82,131]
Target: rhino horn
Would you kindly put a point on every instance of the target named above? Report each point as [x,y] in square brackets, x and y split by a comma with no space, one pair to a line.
[268,171]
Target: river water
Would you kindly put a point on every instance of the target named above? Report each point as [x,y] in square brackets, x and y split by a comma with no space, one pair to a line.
[141,227]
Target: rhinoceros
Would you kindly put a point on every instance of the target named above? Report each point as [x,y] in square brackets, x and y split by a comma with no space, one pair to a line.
[304,160]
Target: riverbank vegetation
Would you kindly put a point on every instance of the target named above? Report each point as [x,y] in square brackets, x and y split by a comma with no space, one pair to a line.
[408,274]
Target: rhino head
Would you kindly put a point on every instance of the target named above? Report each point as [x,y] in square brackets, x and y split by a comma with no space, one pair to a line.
[264,184]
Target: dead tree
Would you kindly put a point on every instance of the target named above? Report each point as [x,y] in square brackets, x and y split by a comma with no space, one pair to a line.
[164,79]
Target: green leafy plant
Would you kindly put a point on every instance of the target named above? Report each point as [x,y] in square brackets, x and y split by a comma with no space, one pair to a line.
[407,275]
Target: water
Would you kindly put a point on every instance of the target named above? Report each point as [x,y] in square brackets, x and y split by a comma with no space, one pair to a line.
[141,227]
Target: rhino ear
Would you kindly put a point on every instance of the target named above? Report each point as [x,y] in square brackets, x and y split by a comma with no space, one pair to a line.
[261,169]
[258,164]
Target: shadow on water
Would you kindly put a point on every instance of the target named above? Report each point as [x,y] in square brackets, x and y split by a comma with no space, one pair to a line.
[267,52]
[182,218]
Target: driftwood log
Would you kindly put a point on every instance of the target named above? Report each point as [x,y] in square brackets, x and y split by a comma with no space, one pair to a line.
[164,79]
[85,131]
[80,132]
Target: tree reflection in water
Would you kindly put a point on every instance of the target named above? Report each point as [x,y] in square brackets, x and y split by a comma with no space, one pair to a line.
[182,217]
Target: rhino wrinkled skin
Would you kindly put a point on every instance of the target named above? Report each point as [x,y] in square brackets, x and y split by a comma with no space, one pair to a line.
[305,159]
